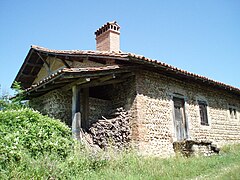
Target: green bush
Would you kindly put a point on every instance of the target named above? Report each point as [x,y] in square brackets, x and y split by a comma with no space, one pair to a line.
[27,131]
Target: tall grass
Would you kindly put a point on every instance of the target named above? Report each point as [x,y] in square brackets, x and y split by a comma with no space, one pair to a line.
[82,164]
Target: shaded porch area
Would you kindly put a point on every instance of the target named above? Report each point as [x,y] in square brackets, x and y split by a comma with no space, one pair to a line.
[89,98]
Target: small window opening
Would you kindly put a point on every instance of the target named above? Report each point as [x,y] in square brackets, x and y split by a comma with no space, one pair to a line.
[203,112]
[233,112]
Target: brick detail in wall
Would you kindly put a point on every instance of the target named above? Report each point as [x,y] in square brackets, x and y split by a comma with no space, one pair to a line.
[108,41]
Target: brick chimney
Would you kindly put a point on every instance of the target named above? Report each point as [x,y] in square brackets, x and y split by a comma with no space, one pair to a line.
[108,37]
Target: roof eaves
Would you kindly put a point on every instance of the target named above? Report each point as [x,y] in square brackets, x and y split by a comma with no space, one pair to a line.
[183,72]
[61,72]
[23,66]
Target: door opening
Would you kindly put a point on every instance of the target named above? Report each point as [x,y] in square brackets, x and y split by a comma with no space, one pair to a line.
[180,119]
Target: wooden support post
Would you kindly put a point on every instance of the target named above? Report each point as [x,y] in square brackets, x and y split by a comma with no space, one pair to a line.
[85,109]
[76,114]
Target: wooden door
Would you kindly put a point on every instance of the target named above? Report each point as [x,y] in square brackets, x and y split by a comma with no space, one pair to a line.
[179,119]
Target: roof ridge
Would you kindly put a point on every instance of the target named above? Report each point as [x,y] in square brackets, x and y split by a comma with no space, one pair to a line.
[40,48]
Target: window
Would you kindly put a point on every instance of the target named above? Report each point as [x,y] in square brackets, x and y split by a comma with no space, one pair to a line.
[203,112]
[233,111]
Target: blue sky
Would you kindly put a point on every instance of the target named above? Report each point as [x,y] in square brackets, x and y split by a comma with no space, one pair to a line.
[200,36]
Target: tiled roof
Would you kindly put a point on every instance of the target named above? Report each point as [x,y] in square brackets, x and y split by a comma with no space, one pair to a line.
[71,70]
[133,58]
[183,72]
[80,52]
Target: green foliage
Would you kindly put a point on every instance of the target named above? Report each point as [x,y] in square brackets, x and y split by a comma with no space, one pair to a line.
[82,164]
[16,102]
[19,94]
[33,146]
[77,165]
[27,131]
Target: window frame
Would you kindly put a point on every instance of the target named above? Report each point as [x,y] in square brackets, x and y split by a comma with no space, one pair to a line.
[203,112]
[232,112]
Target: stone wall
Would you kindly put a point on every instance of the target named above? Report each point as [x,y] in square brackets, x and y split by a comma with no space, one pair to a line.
[58,104]
[155,113]
[55,104]
[189,148]
[148,99]
[125,95]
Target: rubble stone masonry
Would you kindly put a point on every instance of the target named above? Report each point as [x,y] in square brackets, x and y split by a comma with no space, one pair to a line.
[155,113]
[148,99]
[56,103]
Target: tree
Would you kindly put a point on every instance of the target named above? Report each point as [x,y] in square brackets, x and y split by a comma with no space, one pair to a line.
[15,102]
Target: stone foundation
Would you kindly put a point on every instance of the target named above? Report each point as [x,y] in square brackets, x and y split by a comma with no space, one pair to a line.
[194,148]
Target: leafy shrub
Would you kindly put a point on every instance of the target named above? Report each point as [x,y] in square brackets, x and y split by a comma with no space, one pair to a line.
[25,130]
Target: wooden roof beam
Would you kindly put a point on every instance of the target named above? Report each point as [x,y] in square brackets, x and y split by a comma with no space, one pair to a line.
[46,64]
[27,75]
[97,83]
[77,82]
[65,63]
[34,65]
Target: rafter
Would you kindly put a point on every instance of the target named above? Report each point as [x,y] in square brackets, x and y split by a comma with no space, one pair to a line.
[34,65]
[27,75]
[46,64]
[65,63]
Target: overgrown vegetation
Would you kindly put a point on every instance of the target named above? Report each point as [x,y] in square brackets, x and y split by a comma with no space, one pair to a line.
[25,130]
[33,146]
[84,165]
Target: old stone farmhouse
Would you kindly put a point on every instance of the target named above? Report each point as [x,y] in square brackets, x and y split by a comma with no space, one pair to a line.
[151,104]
